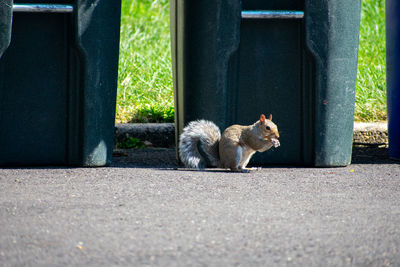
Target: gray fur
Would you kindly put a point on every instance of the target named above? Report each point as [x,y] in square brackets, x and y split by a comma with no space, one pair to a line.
[199,135]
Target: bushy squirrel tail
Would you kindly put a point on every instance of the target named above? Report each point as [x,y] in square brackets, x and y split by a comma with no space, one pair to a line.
[198,144]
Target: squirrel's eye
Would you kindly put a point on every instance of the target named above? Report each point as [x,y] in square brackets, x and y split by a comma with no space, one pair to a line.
[268,128]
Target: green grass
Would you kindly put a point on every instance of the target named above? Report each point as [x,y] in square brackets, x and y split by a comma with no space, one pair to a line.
[131,142]
[371,76]
[145,92]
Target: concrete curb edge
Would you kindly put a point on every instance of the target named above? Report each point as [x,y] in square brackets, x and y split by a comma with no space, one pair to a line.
[163,134]
[370,133]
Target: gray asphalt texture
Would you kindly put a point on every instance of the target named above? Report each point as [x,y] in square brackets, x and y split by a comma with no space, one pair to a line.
[144,211]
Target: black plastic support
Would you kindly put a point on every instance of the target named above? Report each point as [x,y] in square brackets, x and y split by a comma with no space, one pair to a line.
[296,59]
[5,24]
[393,76]
[58,83]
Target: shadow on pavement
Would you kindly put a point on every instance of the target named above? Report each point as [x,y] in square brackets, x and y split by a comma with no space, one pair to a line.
[166,157]
[371,154]
[145,158]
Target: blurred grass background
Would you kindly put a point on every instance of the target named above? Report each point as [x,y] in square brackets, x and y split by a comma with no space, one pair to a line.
[145,92]
[371,73]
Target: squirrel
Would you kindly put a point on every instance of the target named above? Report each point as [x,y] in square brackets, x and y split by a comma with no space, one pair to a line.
[201,144]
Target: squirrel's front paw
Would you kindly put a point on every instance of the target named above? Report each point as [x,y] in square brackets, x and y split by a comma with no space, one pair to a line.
[275,142]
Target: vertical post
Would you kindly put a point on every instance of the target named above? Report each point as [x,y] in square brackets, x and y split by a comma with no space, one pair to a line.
[97,35]
[332,34]
[393,75]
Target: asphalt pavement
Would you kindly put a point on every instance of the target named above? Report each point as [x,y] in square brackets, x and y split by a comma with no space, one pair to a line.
[145,210]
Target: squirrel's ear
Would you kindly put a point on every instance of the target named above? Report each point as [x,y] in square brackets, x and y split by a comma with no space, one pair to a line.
[270,117]
[262,118]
